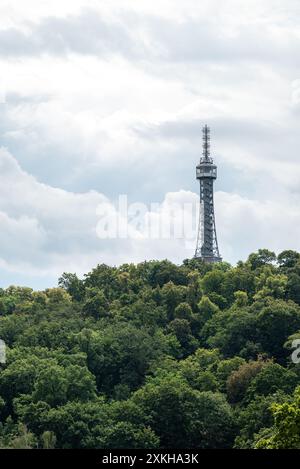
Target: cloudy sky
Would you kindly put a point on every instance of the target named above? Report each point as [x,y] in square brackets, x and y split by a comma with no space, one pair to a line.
[100,98]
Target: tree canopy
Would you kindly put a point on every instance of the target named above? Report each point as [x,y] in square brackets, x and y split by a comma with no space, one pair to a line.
[155,355]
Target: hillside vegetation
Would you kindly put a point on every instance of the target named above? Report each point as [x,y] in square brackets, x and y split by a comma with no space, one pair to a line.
[155,355]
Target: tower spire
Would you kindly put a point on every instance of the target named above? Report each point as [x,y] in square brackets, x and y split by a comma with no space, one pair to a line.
[206,172]
[206,142]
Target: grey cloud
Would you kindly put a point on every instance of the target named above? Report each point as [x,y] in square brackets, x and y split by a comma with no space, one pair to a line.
[84,34]
[225,129]
[47,230]
[200,40]
[254,156]
[204,40]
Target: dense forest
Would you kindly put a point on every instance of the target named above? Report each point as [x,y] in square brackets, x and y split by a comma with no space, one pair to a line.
[155,355]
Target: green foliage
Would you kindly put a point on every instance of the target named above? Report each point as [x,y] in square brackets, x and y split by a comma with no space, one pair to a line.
[257,415]
[272,378]
[261,258]
[204,418]
[72,284]
[240,379]
[241,299]
[288,259]
[184,311]
[293,288]
[121,354]
[96,304]
[285,434]
[154,355]
[231,332]
[57,385]
[206,309]
[172,295]
[275,323]
[181,329]
[48,440]
[225,368]
[212,282]
[269,285]
[16,436]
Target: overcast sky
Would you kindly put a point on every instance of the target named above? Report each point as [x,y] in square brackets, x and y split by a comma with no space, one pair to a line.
[101,98]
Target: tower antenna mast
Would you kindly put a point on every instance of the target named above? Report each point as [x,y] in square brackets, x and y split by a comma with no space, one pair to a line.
[206,142]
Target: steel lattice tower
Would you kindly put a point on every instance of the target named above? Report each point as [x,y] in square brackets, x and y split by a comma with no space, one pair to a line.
[206,171]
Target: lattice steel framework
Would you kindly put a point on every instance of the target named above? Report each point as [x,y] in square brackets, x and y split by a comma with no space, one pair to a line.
[206,172]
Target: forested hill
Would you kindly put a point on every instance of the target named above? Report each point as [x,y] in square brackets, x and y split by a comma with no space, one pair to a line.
[155,355]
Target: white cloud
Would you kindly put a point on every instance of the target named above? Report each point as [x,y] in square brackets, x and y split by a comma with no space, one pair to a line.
[112,95]
[45,231]
[43,227]
[246,225]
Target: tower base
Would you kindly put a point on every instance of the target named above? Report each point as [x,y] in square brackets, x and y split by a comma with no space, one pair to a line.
[209,259]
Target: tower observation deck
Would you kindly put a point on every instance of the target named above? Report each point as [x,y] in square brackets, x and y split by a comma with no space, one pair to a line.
[206,172]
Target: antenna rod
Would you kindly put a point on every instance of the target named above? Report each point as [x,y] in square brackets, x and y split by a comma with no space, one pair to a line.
[206,142]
